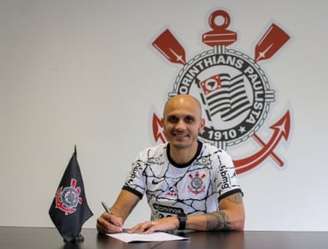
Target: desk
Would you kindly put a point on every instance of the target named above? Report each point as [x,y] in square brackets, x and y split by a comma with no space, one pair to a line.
[48,238]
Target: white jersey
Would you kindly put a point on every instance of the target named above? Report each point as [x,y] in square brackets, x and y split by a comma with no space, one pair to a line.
[171,189]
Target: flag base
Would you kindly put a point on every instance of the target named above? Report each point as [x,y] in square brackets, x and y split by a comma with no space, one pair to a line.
[77,239]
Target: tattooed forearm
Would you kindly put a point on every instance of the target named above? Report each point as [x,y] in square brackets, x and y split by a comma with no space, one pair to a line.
[230,215]
[218,221]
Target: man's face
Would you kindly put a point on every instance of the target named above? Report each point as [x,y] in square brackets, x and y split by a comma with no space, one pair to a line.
[182,122]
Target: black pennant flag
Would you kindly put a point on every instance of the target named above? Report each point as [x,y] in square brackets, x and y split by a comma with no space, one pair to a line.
[69,209]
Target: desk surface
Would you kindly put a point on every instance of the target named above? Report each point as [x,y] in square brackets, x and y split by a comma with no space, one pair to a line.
[48,238]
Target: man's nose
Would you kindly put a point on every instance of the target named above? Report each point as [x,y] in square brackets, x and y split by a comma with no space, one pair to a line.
[181,125]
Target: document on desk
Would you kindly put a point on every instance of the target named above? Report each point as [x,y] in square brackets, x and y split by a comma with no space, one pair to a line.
[141,237]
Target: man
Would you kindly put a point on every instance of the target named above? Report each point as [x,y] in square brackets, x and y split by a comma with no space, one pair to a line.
[188,184]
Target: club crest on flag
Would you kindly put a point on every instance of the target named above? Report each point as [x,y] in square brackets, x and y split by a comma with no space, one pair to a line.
[68,198]
[69,208]
[234,91]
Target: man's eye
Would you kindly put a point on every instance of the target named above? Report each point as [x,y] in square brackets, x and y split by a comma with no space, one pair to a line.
[172,119]
[189,119]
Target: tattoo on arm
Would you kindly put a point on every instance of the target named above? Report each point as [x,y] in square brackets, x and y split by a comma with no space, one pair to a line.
[218,221]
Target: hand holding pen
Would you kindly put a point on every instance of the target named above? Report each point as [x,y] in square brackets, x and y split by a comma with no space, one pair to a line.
[108,222]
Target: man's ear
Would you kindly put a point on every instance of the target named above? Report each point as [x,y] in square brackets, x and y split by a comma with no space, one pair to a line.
[202,125]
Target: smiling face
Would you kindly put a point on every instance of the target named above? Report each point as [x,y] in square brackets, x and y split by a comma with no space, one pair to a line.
[182,121]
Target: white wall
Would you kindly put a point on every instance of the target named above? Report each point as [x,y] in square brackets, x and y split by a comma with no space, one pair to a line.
[85,72]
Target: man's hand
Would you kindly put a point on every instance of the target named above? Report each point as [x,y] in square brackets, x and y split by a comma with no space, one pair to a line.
[113,222]
[109,223]
[164,224]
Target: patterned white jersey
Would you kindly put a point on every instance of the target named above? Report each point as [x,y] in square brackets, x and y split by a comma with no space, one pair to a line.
[171,189]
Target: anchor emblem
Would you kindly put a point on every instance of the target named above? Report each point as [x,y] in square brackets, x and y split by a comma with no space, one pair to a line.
[231,86]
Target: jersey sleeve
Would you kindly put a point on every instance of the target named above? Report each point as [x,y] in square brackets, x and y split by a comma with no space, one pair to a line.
[135,182]
[227,182]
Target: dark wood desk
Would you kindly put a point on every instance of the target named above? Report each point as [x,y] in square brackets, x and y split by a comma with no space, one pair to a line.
[48,238]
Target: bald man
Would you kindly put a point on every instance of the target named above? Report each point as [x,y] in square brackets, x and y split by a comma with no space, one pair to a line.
[188,184]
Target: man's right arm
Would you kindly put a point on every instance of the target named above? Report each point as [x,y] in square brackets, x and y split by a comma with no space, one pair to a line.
[113,222]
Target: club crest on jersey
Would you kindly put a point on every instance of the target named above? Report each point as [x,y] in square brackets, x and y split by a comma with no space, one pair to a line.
[68,198]
[232,88]
[196,184]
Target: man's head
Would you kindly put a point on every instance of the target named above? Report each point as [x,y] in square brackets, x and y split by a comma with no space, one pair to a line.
[182,121]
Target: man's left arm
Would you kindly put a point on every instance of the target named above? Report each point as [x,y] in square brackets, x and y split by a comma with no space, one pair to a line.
[229,216]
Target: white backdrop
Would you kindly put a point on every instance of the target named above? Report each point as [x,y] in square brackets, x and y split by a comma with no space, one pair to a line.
[85,72]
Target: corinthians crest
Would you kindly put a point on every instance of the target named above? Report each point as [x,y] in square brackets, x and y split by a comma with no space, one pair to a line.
[68,198]
[231,86]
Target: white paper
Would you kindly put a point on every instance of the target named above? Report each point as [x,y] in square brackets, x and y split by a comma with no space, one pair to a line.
[140,237]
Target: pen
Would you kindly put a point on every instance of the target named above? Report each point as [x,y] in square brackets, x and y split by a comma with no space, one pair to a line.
[106,208]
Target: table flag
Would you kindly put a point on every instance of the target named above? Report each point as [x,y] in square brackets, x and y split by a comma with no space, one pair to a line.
[69,209]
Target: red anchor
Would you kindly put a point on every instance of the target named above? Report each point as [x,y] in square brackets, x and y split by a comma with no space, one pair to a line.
[280,130]
[273,39]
